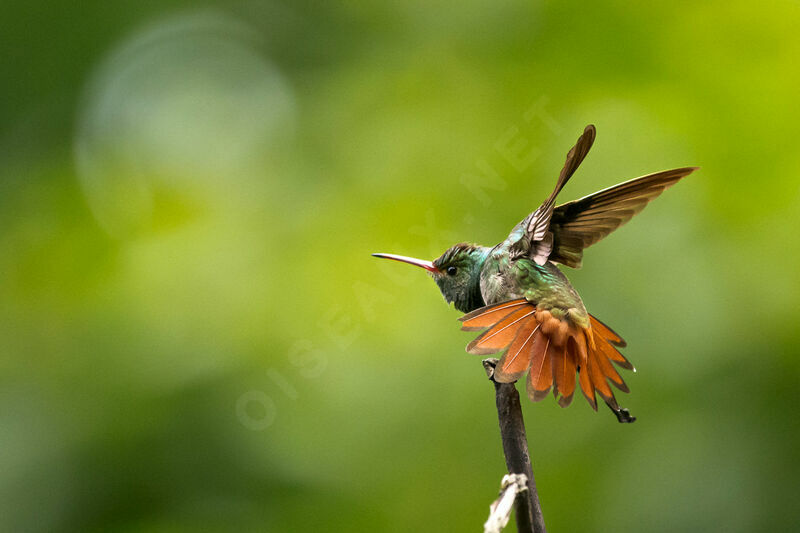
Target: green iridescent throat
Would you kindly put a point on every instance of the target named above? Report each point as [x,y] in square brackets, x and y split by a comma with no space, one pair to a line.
[459,276]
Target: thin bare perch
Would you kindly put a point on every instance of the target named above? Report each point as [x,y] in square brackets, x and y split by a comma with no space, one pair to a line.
[500,510]
[515,448]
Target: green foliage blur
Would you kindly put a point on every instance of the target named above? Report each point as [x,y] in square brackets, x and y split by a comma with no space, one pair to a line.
[195,338]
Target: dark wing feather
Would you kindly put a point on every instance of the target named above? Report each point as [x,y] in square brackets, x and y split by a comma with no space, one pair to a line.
[581,223]
[536,224]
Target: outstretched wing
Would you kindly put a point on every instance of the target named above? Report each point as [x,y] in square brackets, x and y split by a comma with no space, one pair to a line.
[539,220]
[552,350]
[560,234]
[535,239]
[581,223]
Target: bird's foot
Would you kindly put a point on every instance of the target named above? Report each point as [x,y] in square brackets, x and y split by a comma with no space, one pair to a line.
[623,415]
[489,365]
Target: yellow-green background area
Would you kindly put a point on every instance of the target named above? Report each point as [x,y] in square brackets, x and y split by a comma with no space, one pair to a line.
[194,337]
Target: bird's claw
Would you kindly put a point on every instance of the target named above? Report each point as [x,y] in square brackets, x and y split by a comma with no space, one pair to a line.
[624,416]
[489,366]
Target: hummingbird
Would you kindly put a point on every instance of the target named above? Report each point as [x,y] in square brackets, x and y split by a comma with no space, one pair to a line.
[525,305]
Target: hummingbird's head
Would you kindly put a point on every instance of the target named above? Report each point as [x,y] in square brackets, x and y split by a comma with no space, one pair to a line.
[456,272]
[459,275]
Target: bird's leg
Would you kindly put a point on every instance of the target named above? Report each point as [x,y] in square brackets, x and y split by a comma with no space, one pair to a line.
[623,415]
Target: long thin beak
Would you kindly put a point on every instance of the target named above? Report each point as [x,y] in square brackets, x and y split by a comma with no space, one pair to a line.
[427,265]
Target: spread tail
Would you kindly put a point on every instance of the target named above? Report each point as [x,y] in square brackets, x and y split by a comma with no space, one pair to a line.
[552,350]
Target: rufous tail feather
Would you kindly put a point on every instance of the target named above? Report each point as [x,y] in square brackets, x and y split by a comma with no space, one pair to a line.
[551,350]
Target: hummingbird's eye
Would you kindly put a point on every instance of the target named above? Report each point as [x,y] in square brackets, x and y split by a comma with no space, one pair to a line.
[451,271]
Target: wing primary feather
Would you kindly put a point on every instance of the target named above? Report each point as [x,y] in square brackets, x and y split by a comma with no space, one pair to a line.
[581,223]
[538,222]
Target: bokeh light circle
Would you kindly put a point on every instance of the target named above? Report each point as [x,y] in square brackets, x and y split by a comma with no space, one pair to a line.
[189,103]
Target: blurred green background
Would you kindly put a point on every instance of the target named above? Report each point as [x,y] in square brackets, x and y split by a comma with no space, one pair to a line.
[194,336]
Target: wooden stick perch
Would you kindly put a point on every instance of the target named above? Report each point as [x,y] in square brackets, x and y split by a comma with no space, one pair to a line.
[500,510]
[515,448]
